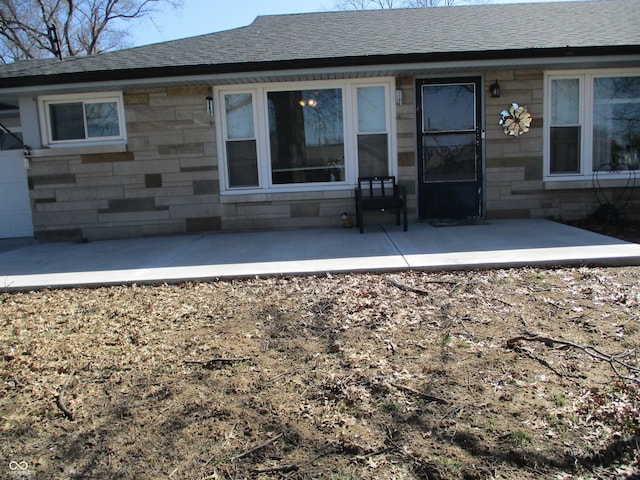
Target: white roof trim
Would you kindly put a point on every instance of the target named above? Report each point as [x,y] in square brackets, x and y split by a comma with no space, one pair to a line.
[618,61]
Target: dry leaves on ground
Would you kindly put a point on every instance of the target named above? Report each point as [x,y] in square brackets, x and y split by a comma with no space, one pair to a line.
[397,376]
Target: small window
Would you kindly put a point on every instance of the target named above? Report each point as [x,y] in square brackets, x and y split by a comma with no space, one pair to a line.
[565,135]
[92,119]
[242,158]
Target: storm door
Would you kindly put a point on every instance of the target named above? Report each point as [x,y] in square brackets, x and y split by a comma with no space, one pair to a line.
[449,148]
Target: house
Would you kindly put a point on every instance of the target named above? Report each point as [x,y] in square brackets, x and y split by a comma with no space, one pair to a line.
[270,125]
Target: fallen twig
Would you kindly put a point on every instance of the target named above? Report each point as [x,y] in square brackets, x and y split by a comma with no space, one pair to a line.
[226,442]
[215,362]
[278,468]
[425,396]
[612,360]
[456,410]
[255,449]
[419,291]
[60,398]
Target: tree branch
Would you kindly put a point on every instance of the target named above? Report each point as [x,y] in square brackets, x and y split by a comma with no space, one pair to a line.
[84,27]
[612,360]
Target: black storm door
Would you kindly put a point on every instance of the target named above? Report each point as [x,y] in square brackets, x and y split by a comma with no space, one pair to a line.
[449,148]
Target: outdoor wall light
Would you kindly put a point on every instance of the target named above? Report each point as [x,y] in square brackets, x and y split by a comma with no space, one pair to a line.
[210,108]
[398,97]
[26,151]
[495,89]
[210,105]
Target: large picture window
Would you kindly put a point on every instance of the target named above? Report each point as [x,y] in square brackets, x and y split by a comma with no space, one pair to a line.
[69,119]
[304,136]
[594,123]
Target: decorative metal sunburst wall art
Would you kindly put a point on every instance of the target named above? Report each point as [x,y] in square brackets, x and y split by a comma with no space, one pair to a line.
[515,121]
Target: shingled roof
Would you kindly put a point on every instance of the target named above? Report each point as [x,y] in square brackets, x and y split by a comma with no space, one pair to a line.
[351,38]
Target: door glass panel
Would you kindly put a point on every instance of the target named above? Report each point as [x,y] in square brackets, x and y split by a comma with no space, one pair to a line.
[448,108]
[449,158]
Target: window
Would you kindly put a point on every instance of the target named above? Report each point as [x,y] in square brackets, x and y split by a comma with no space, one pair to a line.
[306,136]
[67,119]
[318,135]
[594,123]
[565,131]
[373,135]
[240,142]
[616,122]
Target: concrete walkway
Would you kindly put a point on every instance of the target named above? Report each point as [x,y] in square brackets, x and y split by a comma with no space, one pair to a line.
[487,244]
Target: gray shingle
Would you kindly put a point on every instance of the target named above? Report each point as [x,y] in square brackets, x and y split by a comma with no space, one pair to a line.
[360,36]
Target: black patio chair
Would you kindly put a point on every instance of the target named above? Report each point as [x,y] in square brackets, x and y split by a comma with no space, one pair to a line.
[380,194]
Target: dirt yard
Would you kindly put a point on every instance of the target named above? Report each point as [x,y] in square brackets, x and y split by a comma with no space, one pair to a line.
[507,374]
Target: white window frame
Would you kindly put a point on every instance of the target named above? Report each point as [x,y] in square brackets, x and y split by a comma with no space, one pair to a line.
[45,121]
[261,131]
[586,104]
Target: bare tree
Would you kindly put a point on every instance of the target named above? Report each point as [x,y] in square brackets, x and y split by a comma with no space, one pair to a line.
[379,4]
[368,4]
[442,3]
[40,28]
[430,3]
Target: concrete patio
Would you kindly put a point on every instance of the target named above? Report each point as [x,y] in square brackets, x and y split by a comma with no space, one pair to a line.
[486,244]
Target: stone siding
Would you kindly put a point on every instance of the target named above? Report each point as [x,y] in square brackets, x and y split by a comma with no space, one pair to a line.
[167,182]
[514,165]
[406,142]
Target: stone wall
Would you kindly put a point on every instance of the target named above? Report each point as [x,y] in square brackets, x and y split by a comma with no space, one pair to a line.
[514,165]
[164,182]
[406,142]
